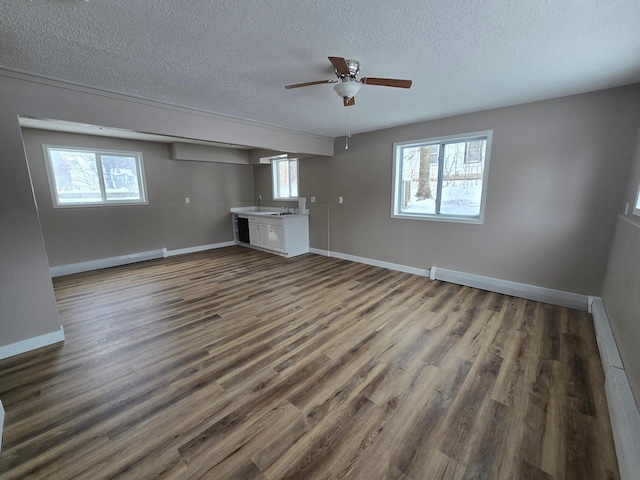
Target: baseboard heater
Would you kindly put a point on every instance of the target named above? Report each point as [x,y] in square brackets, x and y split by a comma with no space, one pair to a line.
[623,411]
[1,424]
[515,289]
[106,262]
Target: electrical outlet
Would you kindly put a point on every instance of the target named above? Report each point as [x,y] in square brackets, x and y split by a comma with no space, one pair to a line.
[340,200]
[313,199]
[187,200]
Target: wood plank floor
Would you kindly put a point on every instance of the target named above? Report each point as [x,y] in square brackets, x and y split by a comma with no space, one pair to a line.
[235,364]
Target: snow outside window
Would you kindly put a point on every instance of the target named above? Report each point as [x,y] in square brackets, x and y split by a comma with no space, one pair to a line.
[81,177]
[285,179]
[442,178]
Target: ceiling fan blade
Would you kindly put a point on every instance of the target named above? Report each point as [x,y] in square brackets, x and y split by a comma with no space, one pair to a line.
[387,82]
[340,64]
[349,102]
[307,84]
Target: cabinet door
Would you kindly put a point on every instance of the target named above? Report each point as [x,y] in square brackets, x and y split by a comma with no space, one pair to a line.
[264,236]
[254,234]
[276,238]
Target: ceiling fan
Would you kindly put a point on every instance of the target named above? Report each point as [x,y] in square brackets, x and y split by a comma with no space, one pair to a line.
[347,84]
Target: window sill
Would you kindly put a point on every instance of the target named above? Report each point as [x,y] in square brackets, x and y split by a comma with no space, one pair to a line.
[439,218]
[102,204]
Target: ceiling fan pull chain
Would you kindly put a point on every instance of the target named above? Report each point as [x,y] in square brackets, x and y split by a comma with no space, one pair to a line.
[348,135]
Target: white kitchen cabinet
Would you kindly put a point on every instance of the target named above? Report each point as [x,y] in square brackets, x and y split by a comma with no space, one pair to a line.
[254,231]
[254,234]
[276,237]
[285,235]
[272,237]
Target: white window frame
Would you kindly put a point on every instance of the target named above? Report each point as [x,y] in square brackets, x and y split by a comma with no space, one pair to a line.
[396,187]
[275,174]
[636,208]
[142,184]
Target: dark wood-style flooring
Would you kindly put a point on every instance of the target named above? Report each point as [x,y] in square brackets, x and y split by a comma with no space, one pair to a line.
[236,364]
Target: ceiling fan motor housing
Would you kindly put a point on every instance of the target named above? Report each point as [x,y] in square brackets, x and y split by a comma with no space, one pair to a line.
[354,69]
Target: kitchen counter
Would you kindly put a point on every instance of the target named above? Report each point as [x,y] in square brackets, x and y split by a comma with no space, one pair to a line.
[273,230]
[271,214]
[266,211]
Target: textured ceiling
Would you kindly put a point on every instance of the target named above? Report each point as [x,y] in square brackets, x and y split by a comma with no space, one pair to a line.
[234,57]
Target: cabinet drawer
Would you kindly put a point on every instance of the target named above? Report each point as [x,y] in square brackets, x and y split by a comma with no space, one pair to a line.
[277,222]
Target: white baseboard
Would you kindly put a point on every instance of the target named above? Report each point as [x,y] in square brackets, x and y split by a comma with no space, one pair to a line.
[29,344]
[623,411]
[370,261]
[1,424]
[90,265]
[607,346]
[105,263]
[625,423]
[521,290]
[200,248]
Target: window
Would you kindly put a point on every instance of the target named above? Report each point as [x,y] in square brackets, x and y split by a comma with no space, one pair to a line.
[442,178]
[636,209]
[285,178]
[87,177]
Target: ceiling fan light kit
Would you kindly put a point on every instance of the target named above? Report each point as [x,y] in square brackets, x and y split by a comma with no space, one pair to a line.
[348,84]
[347,88]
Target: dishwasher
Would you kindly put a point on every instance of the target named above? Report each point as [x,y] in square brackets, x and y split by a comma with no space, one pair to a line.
[243,230]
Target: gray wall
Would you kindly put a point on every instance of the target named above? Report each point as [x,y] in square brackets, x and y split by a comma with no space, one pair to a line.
[557,179]
[621,290]
[314,178]
[27,302]
[79,234]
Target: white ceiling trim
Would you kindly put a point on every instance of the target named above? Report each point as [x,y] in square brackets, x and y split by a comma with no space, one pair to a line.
[99,131]
[52,124]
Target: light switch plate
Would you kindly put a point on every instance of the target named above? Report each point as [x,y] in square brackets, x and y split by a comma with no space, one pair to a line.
[340,200]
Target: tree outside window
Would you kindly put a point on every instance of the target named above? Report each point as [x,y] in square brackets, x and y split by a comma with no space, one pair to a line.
[442,178]
[285,179]
[85,177]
